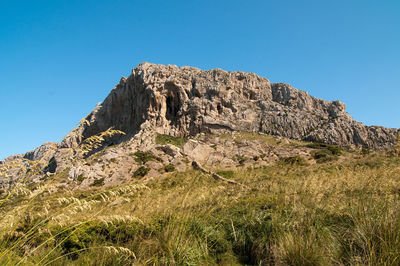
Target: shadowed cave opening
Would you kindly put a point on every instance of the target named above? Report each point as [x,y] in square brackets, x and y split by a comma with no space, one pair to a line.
[173,102]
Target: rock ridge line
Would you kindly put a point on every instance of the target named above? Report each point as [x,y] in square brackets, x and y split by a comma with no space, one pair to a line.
[184,101]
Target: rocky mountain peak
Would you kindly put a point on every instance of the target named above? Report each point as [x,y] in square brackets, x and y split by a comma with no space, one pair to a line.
[179,104]
[184,101]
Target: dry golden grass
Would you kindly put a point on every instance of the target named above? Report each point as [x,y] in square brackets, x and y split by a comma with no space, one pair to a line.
[343,212]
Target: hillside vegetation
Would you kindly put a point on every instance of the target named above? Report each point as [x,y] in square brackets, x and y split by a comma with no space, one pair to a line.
[337,208]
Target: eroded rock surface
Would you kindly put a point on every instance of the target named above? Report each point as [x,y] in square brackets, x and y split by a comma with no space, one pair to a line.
[44,152]
[186,101]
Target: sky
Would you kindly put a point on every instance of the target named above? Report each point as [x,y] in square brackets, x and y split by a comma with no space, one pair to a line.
[58,59]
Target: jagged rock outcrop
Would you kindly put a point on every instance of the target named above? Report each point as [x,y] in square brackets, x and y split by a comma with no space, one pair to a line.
[11,158]
[185,101]
[44,152]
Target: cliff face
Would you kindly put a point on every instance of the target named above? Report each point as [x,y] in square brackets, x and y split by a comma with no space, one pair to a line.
[185,101]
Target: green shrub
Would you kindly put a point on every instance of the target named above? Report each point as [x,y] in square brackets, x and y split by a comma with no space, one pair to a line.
[73,243]
[80,179]
[28,227]
[365,151]
[141,172]
[167,139]
[98,182]
[144,157]
[323,156]
[169,168]
[239,158]
[336,150]
[294,160]
[325,152]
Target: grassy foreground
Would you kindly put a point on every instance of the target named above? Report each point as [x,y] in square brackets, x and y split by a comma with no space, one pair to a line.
[336,212]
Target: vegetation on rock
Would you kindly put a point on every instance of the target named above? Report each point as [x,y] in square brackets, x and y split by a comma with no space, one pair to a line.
[166,139]
[98,182]
[169,168]
[144,157]
[344,211]
[141,172]
[243,187]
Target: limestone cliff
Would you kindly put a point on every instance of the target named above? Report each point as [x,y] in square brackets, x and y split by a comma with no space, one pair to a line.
[185,101]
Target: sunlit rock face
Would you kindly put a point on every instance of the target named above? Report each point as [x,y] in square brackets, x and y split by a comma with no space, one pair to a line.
[186,101]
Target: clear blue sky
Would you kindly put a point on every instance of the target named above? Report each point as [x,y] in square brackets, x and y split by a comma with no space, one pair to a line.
[59,58]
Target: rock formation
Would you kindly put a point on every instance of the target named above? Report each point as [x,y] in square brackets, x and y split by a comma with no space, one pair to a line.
[188,102]
[185,101]
[44,152]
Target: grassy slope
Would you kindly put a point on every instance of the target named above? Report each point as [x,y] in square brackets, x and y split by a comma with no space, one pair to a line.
[344,211]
